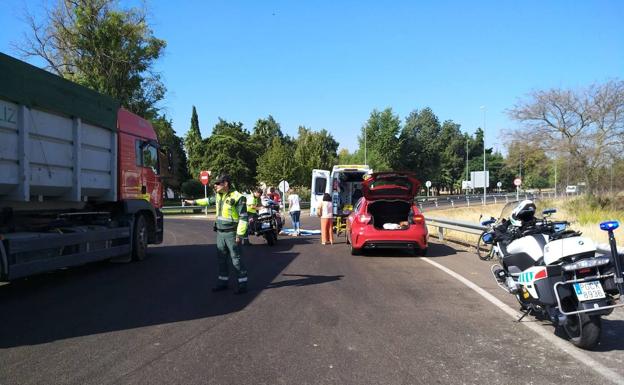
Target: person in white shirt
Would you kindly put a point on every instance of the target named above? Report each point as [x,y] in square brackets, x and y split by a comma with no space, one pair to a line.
[325,211]
[294,208]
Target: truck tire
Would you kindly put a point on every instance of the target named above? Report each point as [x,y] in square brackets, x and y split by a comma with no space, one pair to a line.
[139,238]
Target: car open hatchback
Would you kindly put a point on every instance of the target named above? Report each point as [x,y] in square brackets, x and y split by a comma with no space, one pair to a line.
[386,217]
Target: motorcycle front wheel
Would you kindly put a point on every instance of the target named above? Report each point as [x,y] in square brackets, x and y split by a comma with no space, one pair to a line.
[583,330]
[271,237]
[484,250]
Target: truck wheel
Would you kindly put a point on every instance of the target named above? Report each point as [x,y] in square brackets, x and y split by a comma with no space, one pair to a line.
[139,239]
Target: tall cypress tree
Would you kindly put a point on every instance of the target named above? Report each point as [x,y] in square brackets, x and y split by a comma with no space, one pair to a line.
[194,146]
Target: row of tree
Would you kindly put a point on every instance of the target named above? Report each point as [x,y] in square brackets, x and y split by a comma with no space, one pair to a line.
[567,136]
[263,155]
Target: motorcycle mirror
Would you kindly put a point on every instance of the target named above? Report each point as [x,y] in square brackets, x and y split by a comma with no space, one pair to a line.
[549,211]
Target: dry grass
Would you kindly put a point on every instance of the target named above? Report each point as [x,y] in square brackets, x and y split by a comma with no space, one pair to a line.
[582,215]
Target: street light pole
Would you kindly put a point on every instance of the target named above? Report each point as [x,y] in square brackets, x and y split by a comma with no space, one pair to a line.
[484,176]
[467,176]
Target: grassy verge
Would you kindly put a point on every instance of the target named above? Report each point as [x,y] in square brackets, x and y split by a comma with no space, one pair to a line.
[584,214]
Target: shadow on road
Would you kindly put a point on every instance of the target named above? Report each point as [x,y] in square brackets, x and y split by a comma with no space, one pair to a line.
[612,335]
[172,285]
[305,280]
[435,250]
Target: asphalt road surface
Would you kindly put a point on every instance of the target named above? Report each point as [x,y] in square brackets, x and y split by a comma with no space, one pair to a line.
[314,315]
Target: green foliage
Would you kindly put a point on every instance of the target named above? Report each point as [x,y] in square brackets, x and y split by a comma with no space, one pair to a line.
[313,150]
[380,133]
[228,150]
[193,188]
[452,156]
[194,146]
[420,145]
[345,157]
[536,166]
[277,163]
[96,44]
[170,142]
[264,131]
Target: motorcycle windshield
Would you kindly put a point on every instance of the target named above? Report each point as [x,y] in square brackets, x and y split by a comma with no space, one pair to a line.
[508,208]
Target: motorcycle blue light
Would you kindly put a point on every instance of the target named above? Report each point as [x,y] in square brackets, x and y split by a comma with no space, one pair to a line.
[609,225]
[488,238]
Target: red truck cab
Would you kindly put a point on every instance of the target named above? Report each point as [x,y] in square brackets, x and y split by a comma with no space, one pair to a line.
[139,168]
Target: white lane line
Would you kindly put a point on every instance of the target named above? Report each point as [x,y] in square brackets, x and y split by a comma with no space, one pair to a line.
[575,353]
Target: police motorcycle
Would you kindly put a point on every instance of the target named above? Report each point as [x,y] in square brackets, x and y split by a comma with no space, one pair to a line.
[269,222]
[554,272]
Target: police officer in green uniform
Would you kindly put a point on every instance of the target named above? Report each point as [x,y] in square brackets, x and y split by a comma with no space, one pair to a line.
[231,227]
[253,205]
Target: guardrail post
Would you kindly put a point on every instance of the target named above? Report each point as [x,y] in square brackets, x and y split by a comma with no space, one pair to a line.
[468,201]
[441,233]
[436,203]
[494,199]
[506,199]
[452,204]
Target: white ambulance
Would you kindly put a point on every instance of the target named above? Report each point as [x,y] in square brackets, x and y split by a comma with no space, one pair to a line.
[341,183]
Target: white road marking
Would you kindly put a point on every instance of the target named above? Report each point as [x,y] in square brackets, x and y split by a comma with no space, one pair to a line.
[575,353]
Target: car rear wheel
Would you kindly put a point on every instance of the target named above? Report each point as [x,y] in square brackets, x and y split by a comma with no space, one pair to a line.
[354,251]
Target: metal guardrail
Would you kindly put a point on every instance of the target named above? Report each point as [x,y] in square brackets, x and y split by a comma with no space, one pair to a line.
[202,209]
[463,226]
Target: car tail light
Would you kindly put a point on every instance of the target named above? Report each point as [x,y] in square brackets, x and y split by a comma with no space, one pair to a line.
[364,218]
[419,218]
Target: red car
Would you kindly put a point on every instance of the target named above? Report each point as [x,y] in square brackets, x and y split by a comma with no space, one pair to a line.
[386,216]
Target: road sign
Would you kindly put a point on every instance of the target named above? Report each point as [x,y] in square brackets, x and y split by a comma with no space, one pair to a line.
[204,177]
[283,186]
[517,182]
[499,184]
[466,185]
[428,183]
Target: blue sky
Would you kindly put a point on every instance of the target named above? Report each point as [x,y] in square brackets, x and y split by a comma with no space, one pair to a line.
[328,64]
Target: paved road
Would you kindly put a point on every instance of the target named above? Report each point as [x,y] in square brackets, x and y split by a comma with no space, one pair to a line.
[315,315]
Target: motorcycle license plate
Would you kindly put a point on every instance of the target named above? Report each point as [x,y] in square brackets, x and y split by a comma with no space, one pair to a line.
[586,291]
[266,225]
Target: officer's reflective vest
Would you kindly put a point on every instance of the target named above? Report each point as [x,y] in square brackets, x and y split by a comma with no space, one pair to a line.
[232,212]
[252,202]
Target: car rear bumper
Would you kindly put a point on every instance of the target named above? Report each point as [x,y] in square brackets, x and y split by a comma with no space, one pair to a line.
[390,239]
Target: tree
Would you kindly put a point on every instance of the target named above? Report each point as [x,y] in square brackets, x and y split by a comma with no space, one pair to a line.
[420,145]
[171,143]
[193,188]
[587,125]
[227,150]
[277,164]
[345,157]
[264,131]
[194,145]
[535,165]
[452,156]
[379,136]
[313,150]
[110,50]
